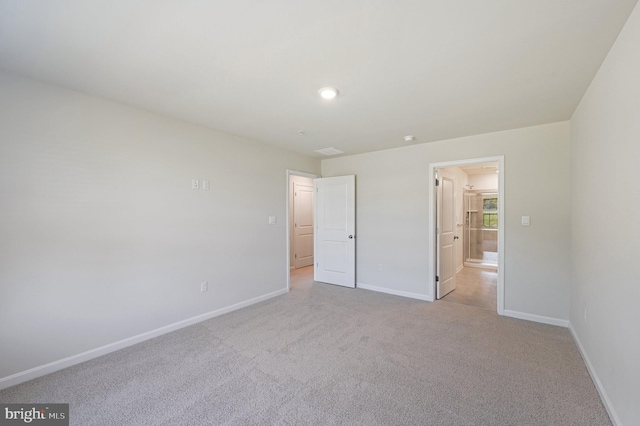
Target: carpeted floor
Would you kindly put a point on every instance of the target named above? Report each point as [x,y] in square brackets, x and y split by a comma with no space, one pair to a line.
[323,354]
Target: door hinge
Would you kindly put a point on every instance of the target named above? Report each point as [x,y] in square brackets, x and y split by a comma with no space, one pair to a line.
[295,194]
[437,182]
[295,256]
[437,231]
[437,278]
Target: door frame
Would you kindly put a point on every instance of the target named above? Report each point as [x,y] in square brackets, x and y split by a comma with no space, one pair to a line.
[431,279]
[288,219]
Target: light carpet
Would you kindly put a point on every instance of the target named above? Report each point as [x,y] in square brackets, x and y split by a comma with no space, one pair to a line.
[323,354]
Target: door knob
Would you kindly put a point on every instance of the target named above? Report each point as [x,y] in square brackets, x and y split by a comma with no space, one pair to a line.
[350,237]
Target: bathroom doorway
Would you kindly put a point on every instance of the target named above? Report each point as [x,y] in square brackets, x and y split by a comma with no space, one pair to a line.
[477,233]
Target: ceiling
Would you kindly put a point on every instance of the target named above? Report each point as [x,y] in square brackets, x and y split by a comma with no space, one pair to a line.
[435,69]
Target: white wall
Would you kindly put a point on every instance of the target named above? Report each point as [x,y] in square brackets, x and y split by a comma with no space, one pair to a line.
[102,237]
[484,180]
[392,213]
[605,138]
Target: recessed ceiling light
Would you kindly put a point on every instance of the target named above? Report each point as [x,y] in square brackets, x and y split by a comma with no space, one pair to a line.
[328,92]
[409,138]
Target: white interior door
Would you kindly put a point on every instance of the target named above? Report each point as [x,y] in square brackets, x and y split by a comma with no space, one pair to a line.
[446,224]
[302,225]
[335,253]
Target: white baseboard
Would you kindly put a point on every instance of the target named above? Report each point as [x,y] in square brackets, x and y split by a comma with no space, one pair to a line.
[481,266]
[42,370]
[394,292]
[536,318]
[596,381]
[460,268]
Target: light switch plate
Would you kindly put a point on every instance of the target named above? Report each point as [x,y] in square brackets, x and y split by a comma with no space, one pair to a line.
[272,220]
[206,184]
[526,220]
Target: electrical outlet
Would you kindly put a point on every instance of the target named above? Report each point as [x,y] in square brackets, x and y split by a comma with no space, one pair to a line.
[195,184]
[204,286]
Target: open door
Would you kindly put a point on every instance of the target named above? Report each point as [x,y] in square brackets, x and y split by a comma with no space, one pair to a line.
[335,242]
[302,225]
[446,229]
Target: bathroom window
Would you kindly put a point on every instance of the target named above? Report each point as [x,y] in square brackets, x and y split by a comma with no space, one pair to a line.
[490,213]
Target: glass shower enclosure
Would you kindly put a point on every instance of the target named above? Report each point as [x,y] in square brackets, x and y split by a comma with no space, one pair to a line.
[481,228]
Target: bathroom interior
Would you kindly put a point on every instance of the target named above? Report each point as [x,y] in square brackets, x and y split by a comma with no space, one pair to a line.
[476,248]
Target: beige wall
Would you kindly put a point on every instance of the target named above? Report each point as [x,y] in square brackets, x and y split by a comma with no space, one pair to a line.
[393,206]
[605,138]
[102,236]
[484,181]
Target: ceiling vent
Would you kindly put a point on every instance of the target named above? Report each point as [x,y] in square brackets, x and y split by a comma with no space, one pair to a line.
[329,151]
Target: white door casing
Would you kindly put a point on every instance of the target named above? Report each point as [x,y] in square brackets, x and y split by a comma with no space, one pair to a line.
[446,224]
[335,238]
[302,225]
